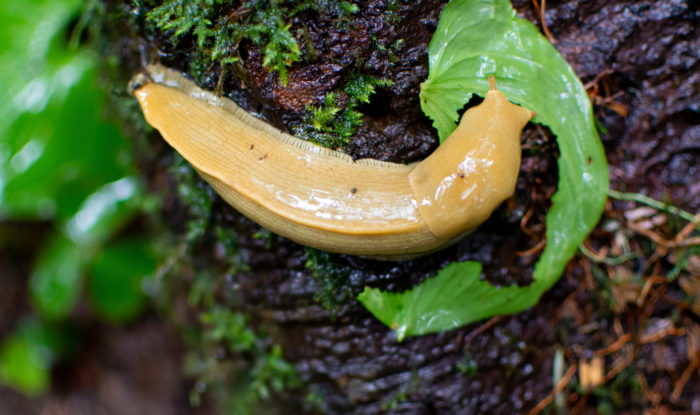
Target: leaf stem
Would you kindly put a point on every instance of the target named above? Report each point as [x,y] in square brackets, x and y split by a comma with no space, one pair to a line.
[640,198]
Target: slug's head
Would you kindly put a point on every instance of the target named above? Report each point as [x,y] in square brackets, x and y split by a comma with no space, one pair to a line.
[474,170]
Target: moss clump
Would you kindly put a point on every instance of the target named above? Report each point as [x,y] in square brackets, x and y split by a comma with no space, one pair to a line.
[236,363]
[219,26]
[197,196]
[332,126]
[335,287]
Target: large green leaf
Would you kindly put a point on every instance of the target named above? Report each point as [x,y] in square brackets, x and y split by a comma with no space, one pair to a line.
[475,39]
[55,149]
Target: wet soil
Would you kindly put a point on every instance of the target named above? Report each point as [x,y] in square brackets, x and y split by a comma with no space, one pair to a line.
[641,63]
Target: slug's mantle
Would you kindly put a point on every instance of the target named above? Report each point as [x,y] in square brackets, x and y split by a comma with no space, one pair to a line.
[322,198]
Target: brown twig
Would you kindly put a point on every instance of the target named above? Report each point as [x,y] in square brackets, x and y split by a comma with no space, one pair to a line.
[538,247]
[683,380]
[608,100]
[694,356]
[687,229]
[557,389]
[649,394]
[482,328]
[662,241]
[647,287]
[668,331]
[622,365]
[540,12]
[615,346]
[525,219]
[593,84]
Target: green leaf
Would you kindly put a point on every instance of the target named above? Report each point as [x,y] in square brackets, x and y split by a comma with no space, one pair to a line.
[475,39]
[115,279]
[454,297]
[104,211]
[60,155]
[57,278]
[23,365]
[55,149]
[26,355]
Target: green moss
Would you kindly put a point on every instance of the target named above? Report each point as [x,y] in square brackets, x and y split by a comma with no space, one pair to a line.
[468,365]
[317,401]
[334,278]
[392,12]
[197,196]
[236,363]
[233,256]
[219,27]
[392,402]
[683,256]
[329,124]
[223,325]
[265,235]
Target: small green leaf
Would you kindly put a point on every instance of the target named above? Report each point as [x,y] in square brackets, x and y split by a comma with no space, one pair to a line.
[26,355]
[57,278]
[116,276]
[24,366]
[475,39]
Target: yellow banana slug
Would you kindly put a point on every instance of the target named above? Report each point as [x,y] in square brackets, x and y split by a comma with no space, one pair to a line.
[322,198]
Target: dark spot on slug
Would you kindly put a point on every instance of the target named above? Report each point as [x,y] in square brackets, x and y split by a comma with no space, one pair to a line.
[353,190]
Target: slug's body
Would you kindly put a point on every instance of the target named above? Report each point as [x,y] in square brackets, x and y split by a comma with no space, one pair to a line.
[322,198]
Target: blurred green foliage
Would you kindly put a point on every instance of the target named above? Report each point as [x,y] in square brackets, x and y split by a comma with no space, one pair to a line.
[61,162]
[27,354]
[236,363]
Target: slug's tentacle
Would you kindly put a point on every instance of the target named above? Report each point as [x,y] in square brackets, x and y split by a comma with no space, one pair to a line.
[320,197]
